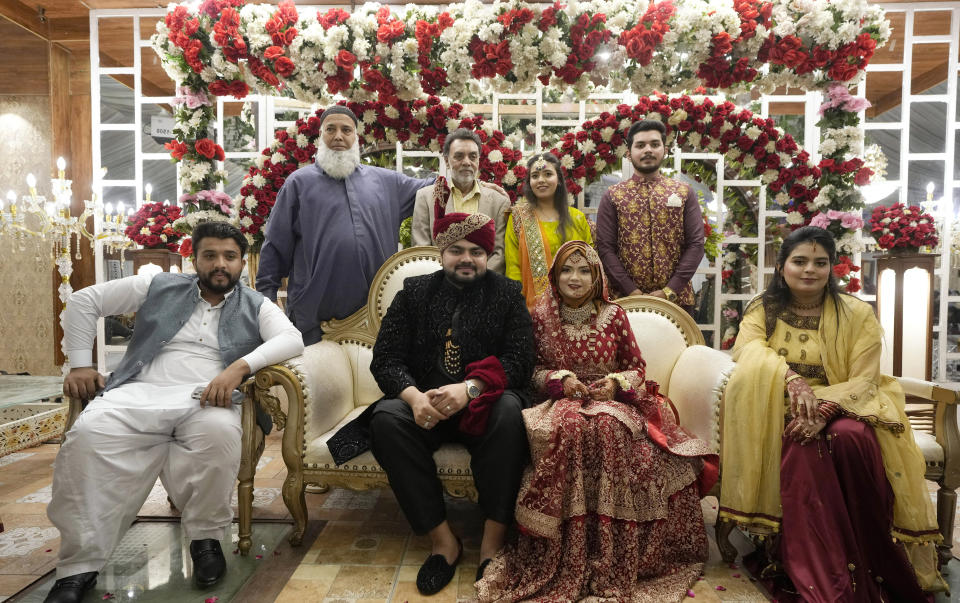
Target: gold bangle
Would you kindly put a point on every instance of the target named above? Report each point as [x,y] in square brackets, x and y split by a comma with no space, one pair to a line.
[792,377]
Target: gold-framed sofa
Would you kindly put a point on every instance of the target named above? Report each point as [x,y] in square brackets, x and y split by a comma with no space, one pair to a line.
[330,384]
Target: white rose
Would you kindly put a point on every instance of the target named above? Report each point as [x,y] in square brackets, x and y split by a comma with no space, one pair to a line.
[495,156]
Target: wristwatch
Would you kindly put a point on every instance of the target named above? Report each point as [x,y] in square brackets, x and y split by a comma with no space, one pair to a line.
[670,295]
[472,389]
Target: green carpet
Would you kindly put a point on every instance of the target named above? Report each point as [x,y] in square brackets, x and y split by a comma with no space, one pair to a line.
[152,563]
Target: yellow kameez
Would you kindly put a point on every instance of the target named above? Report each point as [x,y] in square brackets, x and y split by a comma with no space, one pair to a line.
[848,351]
[579,229]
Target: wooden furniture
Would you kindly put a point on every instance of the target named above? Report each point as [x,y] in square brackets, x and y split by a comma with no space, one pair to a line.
[252,443]
[330,384]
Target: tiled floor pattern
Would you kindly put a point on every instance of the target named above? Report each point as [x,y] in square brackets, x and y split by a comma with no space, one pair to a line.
[364,552]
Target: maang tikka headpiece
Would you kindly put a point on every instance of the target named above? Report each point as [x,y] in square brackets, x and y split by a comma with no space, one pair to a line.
[539,164]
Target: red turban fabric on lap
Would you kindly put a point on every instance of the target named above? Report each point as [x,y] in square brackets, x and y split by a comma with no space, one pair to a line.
[476,228]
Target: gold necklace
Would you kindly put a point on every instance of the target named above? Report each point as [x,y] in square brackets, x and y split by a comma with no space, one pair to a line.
[801,307]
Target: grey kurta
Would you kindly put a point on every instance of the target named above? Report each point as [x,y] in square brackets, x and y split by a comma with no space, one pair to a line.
[330,237]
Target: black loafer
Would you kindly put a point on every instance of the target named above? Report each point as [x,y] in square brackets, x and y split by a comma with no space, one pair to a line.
[72,588]
[483,568]
[436,573]
[209,566]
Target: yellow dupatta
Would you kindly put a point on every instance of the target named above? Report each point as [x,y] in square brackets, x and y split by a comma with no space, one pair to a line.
[535,252]
[850,347]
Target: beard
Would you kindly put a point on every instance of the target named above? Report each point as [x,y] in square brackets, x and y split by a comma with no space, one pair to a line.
[460,279]
[338,164]
[463,181]
[206,279]
[646,169]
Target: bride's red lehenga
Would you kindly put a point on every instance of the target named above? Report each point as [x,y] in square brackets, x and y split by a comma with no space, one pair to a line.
[610,507]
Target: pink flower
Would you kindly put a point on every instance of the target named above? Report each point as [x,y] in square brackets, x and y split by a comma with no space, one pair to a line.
[851,220]
[191,98]
[839,96]
[821,221]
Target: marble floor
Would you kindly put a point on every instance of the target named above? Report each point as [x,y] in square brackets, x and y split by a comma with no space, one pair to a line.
[358,547]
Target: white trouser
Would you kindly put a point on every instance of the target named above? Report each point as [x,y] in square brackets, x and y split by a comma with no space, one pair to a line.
[110,461]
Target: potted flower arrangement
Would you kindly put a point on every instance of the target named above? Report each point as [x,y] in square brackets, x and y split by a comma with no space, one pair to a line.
[152,228]
[903,228]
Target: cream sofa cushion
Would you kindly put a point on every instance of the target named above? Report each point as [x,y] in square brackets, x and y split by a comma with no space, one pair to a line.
[932,451]
[366,390]
[394,281]
[329,393]
[696,387]
[661,343]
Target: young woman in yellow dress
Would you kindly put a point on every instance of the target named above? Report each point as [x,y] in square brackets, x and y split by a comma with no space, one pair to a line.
[539,224]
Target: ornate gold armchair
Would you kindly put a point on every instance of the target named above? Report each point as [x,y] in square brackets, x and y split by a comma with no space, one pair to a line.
[252,443]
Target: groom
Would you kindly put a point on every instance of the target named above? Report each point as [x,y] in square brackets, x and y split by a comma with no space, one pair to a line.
[454,352]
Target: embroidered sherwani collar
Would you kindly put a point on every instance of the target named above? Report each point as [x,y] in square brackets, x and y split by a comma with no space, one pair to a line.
[640,179]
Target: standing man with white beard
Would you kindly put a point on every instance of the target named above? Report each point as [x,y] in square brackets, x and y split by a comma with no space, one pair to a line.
[334,224]
[461,152]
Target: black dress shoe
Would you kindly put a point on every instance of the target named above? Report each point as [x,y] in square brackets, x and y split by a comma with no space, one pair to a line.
[483,568]
[72,588]
[436,573]
[209,566]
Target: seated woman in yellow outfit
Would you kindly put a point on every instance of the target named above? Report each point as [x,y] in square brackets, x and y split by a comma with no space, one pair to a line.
[539,224]
[816,445]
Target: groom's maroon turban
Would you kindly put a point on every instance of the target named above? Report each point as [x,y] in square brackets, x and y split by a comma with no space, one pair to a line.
[476,228]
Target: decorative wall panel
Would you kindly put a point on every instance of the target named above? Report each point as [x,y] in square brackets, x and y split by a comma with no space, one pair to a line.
[26,272]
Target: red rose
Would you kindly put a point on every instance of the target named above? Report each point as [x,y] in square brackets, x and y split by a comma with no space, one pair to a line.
[239,89]
[862,177]
[289,35]
[273,53]
[853,286]
[841,270]
[186,247]
[263,209]
[177,149]
[284,66]
[345,59]
[206,147]
[152,242]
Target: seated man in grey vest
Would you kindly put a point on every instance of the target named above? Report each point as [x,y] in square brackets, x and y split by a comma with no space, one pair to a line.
[170,409]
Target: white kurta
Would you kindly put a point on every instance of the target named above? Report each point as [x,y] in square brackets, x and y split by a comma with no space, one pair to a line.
[151,426]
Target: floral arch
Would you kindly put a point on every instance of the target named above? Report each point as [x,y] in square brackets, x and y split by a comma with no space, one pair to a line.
[393,66]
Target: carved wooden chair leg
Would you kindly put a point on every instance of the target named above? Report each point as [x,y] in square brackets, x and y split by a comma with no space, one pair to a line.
[293,497]
[722,530]
[946,514]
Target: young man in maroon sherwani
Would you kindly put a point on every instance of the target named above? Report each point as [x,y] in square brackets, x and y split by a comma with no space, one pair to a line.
[649,228]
